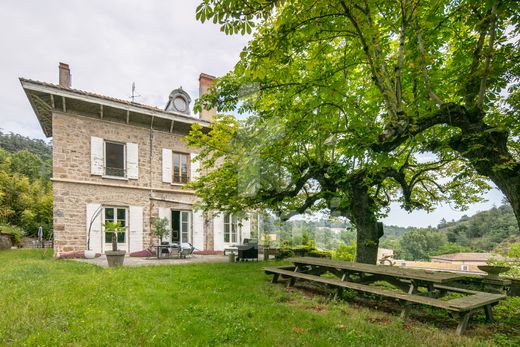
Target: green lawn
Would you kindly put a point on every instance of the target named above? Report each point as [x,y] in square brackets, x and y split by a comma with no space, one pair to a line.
[51,302]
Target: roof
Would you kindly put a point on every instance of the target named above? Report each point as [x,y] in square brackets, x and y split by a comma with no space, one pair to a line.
[47,97]
[465,257]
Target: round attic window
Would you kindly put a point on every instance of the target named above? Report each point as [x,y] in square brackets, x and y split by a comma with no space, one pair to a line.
[179,101]
[180,104]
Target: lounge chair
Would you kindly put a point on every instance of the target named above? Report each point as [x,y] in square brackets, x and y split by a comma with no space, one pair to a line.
[186,249]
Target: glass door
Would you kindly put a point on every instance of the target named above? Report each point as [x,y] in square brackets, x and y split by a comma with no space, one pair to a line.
[181,226]
[116,214]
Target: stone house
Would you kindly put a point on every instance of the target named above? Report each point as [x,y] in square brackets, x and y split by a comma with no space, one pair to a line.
[116,160]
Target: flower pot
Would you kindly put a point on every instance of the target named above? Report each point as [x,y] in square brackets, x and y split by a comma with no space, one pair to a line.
[115,258]
[90,254]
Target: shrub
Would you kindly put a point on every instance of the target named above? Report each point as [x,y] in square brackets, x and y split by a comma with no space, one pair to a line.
[320,254]
[16,232]
[283,253]
[345,252]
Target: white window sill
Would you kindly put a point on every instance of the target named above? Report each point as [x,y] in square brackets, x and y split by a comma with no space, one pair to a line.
[115,178]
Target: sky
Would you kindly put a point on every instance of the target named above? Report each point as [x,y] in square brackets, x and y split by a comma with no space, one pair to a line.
[157,44]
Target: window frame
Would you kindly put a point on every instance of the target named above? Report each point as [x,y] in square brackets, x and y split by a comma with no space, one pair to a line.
[230,228]
[114,219]
[179,179]
[105,159]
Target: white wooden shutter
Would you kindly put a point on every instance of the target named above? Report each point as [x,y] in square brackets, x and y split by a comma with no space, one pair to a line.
[167,165]
[195,166]
[94,212]
[166,213]
[97,161]
[198,230]
[218,232]
[132,161]
[246,228]
[136,228]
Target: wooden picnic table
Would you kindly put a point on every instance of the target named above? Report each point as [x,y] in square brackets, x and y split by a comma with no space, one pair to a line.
[408,280]
[357,277]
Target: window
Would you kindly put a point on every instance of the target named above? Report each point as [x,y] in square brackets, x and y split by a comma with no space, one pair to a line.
[181,167]
[115,214]
[230,228]
[115,159]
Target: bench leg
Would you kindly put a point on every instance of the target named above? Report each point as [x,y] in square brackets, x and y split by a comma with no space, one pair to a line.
[489,313]
[338,293]
[405,312]
[291,282]
[463,322]
[275,278]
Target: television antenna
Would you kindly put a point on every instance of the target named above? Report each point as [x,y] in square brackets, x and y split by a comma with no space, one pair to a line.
[133,96]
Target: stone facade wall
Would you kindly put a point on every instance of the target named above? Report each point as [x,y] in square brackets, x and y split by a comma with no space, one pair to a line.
[74,187]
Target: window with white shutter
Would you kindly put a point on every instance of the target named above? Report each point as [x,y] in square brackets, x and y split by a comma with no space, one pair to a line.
[132,161]
[167,165]
[97,156]
[115,159]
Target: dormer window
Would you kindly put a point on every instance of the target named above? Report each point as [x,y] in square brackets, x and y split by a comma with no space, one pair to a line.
[179,101]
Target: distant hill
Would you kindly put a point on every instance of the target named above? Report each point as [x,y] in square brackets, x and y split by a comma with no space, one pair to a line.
[483,231]
[13,143]
[491,230]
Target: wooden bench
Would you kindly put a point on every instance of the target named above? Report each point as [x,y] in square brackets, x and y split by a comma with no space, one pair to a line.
[464,306]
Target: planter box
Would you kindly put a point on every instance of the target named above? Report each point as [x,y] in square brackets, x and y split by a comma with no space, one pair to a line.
[115,258]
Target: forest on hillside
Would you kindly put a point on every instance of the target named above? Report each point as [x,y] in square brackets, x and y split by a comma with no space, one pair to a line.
[25,187]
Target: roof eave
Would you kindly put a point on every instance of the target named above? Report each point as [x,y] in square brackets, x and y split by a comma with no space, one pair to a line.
[32,86]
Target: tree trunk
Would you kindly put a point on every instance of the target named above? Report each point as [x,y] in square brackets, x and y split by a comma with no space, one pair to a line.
[114,241]
[362,214]
[486,148]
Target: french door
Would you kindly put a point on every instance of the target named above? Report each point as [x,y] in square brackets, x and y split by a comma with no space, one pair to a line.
[114,215]
[181,226]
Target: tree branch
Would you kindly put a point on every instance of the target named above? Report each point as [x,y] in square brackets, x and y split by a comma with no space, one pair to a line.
[489,55]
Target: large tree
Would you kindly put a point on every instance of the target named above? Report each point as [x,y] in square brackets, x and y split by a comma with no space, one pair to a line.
[291,164]
[442,73]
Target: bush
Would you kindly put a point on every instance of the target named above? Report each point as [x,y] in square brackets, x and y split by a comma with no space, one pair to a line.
[320,254]
[15,232]
[345,252]
[283,253]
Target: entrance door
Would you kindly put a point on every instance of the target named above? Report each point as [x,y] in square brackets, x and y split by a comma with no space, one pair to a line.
[116,214]
[181,226]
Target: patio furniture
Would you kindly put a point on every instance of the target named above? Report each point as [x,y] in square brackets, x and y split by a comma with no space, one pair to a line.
[230,249]
[247,252]
[186,249]
[357,277]
[167,248]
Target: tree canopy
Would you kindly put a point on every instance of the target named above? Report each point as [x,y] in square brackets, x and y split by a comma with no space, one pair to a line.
[344,96]
[441,74]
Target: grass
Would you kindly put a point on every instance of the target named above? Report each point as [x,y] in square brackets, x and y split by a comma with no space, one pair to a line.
[48,302]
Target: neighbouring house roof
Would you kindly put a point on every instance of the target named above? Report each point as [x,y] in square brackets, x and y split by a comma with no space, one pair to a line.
[46,98]
[465,257]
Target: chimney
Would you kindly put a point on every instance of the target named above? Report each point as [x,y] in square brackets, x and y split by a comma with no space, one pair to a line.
[205,82]
[64,75]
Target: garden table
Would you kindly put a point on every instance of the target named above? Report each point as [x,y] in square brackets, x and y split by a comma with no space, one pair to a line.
[357,277]
[409,280]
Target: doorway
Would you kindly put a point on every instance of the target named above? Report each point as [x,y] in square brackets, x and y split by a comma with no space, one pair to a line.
[181,226]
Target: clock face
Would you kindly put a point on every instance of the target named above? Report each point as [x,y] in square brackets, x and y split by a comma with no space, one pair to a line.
[180,104]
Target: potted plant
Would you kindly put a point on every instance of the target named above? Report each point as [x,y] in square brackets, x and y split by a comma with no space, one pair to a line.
[160,228]
[114,257]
